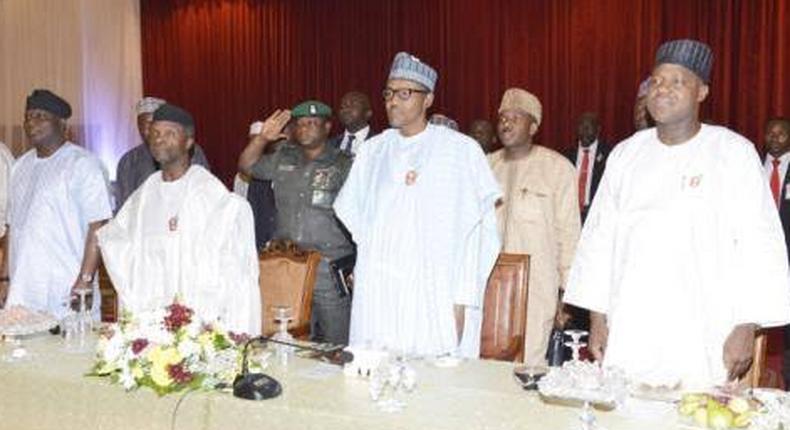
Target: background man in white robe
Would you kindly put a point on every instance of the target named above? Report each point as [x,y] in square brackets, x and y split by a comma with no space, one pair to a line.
[419,202]
[183,233]
[538,215]
[682,257]
[58,198]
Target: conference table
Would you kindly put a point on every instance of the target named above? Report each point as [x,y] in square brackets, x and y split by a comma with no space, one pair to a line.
[49,390]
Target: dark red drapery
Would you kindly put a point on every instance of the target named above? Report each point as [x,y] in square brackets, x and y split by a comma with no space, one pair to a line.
[230,62]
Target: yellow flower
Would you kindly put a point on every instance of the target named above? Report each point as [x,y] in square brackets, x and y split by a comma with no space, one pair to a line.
[171,356]
[206,340]
[163,356]
[160,376]
[160,359]
[137,372]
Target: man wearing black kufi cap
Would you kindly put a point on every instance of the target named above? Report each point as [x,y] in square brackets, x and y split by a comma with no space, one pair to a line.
[182,233]
[58,198]
[681,258]
[138,163]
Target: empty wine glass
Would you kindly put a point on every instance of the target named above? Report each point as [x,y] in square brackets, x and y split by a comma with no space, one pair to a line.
[69,331]
[283,315]
[84,317]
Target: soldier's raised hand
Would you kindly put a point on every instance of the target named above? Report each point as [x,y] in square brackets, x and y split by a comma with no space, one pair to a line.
[272,129]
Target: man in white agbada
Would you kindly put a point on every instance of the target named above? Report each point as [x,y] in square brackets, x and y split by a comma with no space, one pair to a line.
[419,203]
[182,233]
[682,256]
[58,198]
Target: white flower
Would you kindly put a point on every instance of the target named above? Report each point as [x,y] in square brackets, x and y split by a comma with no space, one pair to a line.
[127,379]
[188,348]
[113,349]
[194,328]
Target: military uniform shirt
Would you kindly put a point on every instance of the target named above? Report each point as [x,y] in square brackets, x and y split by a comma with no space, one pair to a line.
[304,192]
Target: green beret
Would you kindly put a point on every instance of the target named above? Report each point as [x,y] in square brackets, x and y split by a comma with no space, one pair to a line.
[311,108]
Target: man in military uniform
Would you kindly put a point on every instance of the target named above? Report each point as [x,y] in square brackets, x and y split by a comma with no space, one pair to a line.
[306,175]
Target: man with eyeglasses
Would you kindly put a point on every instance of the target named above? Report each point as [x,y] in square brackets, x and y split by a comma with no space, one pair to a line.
[306,175]
[419,203]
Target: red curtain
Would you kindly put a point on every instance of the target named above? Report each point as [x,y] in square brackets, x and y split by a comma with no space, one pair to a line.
[230,62]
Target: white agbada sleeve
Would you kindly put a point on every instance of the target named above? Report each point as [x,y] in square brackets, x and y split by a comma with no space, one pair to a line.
[762,286]
[350,201]
[240,270]
[118,240]
[590,278]
[481,244]
[481,248]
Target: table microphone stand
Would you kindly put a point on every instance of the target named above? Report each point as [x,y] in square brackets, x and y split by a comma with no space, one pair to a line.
[259,386]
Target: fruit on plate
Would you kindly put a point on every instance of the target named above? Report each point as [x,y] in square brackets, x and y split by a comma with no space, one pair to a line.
[717,412]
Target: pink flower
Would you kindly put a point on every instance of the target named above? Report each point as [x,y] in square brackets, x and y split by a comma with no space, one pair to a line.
[179,373]
[238,338]
[178,316]
[138,345]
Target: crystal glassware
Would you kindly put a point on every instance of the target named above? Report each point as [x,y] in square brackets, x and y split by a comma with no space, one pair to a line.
[283,315]
[84,319]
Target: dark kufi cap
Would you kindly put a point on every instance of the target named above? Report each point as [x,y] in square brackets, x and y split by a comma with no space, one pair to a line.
[691,54]
[173,113]
[50,102]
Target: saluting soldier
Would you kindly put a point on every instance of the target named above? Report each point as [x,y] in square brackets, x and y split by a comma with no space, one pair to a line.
[306,175]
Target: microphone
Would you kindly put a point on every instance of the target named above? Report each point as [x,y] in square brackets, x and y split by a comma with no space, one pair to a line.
[259,386]
[254,386]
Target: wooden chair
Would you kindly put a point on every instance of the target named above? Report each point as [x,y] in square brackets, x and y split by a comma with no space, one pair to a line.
[287,279]
[754,377]
[505,309]
[109,297]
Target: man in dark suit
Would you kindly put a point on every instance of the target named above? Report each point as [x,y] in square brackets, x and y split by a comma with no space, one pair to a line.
[589,156]
[483,132]
[777,159]
[354,113]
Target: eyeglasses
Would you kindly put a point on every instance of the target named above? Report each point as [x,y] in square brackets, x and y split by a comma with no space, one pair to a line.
[402,93]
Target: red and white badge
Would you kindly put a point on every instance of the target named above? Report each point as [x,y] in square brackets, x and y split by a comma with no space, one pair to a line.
[411,177]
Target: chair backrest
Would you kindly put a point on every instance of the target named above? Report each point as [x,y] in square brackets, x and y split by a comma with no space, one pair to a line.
[287,279]
[753,377]
[109,298]
[505,309]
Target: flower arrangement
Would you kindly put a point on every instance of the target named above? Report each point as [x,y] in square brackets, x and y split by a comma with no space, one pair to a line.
[168,350]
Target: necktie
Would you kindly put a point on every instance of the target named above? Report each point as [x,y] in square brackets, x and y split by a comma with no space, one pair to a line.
[584,172]
[775,181]
[349,143]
